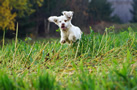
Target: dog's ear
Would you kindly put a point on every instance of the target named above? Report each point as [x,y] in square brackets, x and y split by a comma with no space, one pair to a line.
[53,19]
[68,14]
[64,12]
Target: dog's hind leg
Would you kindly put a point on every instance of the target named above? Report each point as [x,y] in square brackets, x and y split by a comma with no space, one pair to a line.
[72,38]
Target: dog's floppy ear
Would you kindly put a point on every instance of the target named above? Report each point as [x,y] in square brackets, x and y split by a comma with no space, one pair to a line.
[68,14]
[53,19]
[64,12]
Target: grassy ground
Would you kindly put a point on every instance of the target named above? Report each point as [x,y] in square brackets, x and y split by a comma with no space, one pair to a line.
[97,62]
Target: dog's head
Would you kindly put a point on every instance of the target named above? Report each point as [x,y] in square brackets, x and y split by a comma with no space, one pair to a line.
[64,21]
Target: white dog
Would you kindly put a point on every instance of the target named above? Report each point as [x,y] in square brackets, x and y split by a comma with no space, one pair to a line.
[69,32]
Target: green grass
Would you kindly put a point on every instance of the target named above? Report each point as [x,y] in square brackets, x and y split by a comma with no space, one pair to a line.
[97,62]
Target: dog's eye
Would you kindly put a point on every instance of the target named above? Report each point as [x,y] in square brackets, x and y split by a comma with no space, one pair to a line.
[59,21]
[65,20]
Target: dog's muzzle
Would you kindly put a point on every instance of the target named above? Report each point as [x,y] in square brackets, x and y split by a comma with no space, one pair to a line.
[63,26]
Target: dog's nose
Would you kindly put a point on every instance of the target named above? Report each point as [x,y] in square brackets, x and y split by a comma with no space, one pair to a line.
[63,24]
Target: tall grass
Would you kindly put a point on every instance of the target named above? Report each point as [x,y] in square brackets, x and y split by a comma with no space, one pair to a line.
[96,62]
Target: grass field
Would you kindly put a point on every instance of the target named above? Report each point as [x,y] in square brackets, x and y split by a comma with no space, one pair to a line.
[97,62]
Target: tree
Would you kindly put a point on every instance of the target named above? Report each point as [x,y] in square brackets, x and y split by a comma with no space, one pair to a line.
[80,8]
[37,23]
[100,10]
[10,9]
[7,18]
[134,11]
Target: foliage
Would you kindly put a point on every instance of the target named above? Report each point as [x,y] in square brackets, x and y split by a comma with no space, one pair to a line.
[38,20]
[134,11]
[7,19]
[80,8]
[32,15]
[24,7]
[10,9]
[105,61]
[100,10]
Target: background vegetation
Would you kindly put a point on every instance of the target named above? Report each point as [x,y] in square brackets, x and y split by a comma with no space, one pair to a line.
[104,60]
[32,15]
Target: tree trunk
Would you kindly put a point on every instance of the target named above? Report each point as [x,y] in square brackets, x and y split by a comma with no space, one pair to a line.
[48,27]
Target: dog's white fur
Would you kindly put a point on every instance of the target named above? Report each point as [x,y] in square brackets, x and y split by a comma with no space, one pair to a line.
[69,32]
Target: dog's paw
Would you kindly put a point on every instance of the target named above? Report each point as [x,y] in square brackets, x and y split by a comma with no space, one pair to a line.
[63,41]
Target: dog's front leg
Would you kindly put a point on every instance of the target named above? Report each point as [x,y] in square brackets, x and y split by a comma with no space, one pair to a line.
[63,40]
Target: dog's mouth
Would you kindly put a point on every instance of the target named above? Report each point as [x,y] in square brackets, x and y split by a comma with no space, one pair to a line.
[63,27]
